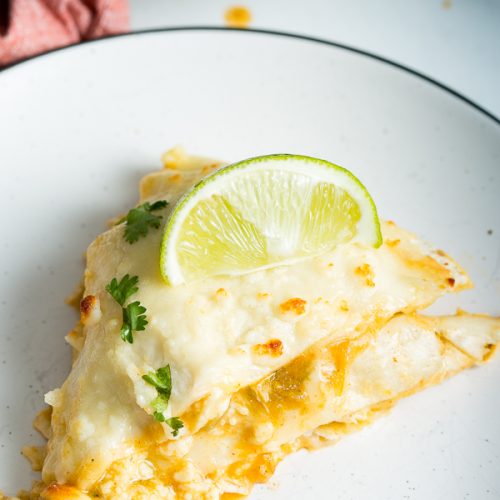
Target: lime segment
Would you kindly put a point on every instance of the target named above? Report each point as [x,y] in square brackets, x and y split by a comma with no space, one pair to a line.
[263,212]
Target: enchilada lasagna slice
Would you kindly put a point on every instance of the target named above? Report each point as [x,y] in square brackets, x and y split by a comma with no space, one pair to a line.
[255,366]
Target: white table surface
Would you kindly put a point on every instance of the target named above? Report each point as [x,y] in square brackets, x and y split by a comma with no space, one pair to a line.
[456,42]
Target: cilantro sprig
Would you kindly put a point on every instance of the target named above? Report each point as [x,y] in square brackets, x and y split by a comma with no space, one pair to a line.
[134,318]
[123,289]
[175,423]
[162,381]
[140,219]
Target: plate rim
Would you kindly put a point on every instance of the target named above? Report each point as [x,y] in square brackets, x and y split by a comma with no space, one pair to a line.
[285,34]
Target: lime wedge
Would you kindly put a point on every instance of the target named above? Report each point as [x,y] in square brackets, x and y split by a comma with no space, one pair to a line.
[263,212]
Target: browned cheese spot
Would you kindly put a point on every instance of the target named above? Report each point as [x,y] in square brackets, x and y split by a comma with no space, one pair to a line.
[295,305]
[272,348]
[86,306]
[366,272]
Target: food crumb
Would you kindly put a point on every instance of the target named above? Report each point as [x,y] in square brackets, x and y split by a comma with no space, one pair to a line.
[447,4]
[238,16]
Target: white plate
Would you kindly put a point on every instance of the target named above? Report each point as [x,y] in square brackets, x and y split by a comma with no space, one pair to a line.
[78,128]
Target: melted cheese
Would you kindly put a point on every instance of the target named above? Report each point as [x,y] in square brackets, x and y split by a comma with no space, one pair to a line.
[208,332]
[298,406]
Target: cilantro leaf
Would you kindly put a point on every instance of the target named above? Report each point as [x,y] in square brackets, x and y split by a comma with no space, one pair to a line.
[159,404]
[140,219]
[157,205]
[162,381]
[158,415]
[126,333]
[134,315]
[138,223]
[175,423]
[122,290]
[134,319]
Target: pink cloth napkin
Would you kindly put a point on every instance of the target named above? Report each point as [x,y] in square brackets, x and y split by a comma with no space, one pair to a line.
[29,27]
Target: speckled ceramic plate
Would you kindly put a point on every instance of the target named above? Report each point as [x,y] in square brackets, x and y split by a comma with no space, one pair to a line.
[78,128]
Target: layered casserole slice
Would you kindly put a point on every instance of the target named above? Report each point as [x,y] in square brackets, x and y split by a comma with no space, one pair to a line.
[202,395]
